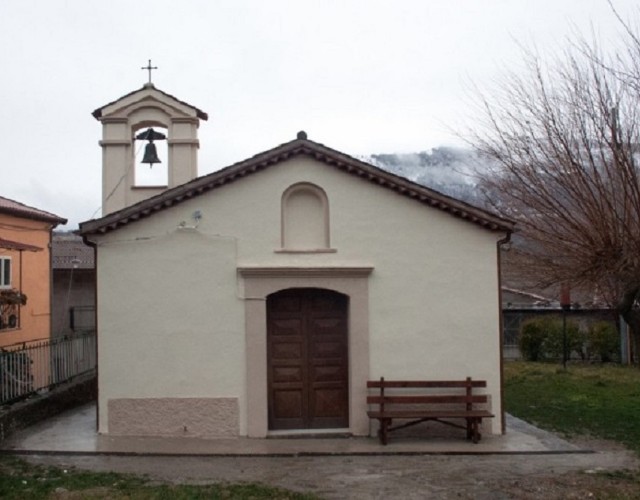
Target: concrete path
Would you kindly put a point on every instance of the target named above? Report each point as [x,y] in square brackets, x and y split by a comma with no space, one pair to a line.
[74,432]
[526,463]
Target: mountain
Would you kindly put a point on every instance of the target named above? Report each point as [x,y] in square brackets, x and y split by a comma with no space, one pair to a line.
[448,170]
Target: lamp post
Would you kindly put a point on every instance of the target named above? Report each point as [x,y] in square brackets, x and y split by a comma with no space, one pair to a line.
[565,304]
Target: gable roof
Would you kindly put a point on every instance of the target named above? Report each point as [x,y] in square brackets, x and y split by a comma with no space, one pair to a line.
[97,114]
[16,245]
[68,251]
[301,146]
[529,299]
[17,209]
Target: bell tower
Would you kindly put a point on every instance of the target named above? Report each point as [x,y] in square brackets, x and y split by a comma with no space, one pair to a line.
[126,124]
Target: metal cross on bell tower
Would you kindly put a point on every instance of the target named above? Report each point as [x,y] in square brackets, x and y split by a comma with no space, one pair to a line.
[149,68]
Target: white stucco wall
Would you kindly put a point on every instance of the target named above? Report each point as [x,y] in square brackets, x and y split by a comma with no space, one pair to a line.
[171,304]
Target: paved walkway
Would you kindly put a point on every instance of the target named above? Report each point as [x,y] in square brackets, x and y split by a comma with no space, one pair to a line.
[525,463]
[74,432]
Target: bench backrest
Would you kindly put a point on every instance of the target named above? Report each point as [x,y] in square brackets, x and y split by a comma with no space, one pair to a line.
[418,397]
[425,383]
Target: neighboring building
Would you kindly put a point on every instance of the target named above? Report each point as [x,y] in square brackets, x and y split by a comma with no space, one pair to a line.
[25,272]
[525,297]
[259,299]
[74,285]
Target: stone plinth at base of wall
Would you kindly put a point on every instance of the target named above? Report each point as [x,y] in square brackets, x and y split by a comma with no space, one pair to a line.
[178,417]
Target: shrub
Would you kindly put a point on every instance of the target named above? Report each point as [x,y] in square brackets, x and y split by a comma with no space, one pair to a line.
[532,335]
[542,338]
[603,341]
[553,345]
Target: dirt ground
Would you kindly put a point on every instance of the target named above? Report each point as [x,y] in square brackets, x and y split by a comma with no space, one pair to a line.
[526,476]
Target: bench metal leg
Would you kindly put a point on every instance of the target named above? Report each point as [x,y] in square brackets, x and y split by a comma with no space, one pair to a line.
[473,428]
[383,432]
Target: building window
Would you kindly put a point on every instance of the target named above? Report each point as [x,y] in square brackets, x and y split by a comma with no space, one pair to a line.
[5,272]
[10,299]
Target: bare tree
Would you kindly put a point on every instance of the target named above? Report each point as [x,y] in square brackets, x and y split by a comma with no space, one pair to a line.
[564,141]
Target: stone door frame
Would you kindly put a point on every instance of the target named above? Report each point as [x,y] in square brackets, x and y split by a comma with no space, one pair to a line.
[259,282]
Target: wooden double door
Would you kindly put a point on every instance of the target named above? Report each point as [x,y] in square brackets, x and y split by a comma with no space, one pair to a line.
[308,359]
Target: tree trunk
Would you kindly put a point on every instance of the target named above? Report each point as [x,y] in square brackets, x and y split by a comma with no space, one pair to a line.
[631,315]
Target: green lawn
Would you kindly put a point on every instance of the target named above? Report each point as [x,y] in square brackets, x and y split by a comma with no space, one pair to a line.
[20,480]
[597,400]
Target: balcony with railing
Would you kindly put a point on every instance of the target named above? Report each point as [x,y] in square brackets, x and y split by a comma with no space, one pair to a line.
[10,302]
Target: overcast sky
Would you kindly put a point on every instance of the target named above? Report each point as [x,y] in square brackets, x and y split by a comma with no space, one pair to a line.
[361,76]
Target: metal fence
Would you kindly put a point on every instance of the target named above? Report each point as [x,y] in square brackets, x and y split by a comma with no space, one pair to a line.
[38,365]
[513,319]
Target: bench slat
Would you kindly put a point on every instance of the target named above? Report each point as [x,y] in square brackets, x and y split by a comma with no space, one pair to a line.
[430,414]
[377,384]
[433,399]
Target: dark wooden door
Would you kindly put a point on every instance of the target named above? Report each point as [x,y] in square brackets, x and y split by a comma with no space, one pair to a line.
[307,350]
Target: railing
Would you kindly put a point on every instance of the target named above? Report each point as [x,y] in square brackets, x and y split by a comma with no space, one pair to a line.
[30,367]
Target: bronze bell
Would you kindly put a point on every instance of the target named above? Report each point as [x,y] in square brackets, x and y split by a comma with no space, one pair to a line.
[150,154]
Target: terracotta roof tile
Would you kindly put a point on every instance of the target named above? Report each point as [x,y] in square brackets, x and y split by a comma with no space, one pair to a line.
[69,252]
[15,208]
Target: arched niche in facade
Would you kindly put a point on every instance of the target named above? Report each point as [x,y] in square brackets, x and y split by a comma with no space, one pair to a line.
[305,218]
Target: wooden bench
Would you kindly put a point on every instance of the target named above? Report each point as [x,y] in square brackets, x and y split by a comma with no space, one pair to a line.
[423,400]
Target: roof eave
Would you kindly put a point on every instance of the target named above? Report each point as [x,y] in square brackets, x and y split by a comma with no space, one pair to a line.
[97,113]
[281,153]
[52,219]
[18,246]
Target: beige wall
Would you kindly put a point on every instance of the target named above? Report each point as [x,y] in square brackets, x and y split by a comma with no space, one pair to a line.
[172,305]
[35,316]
